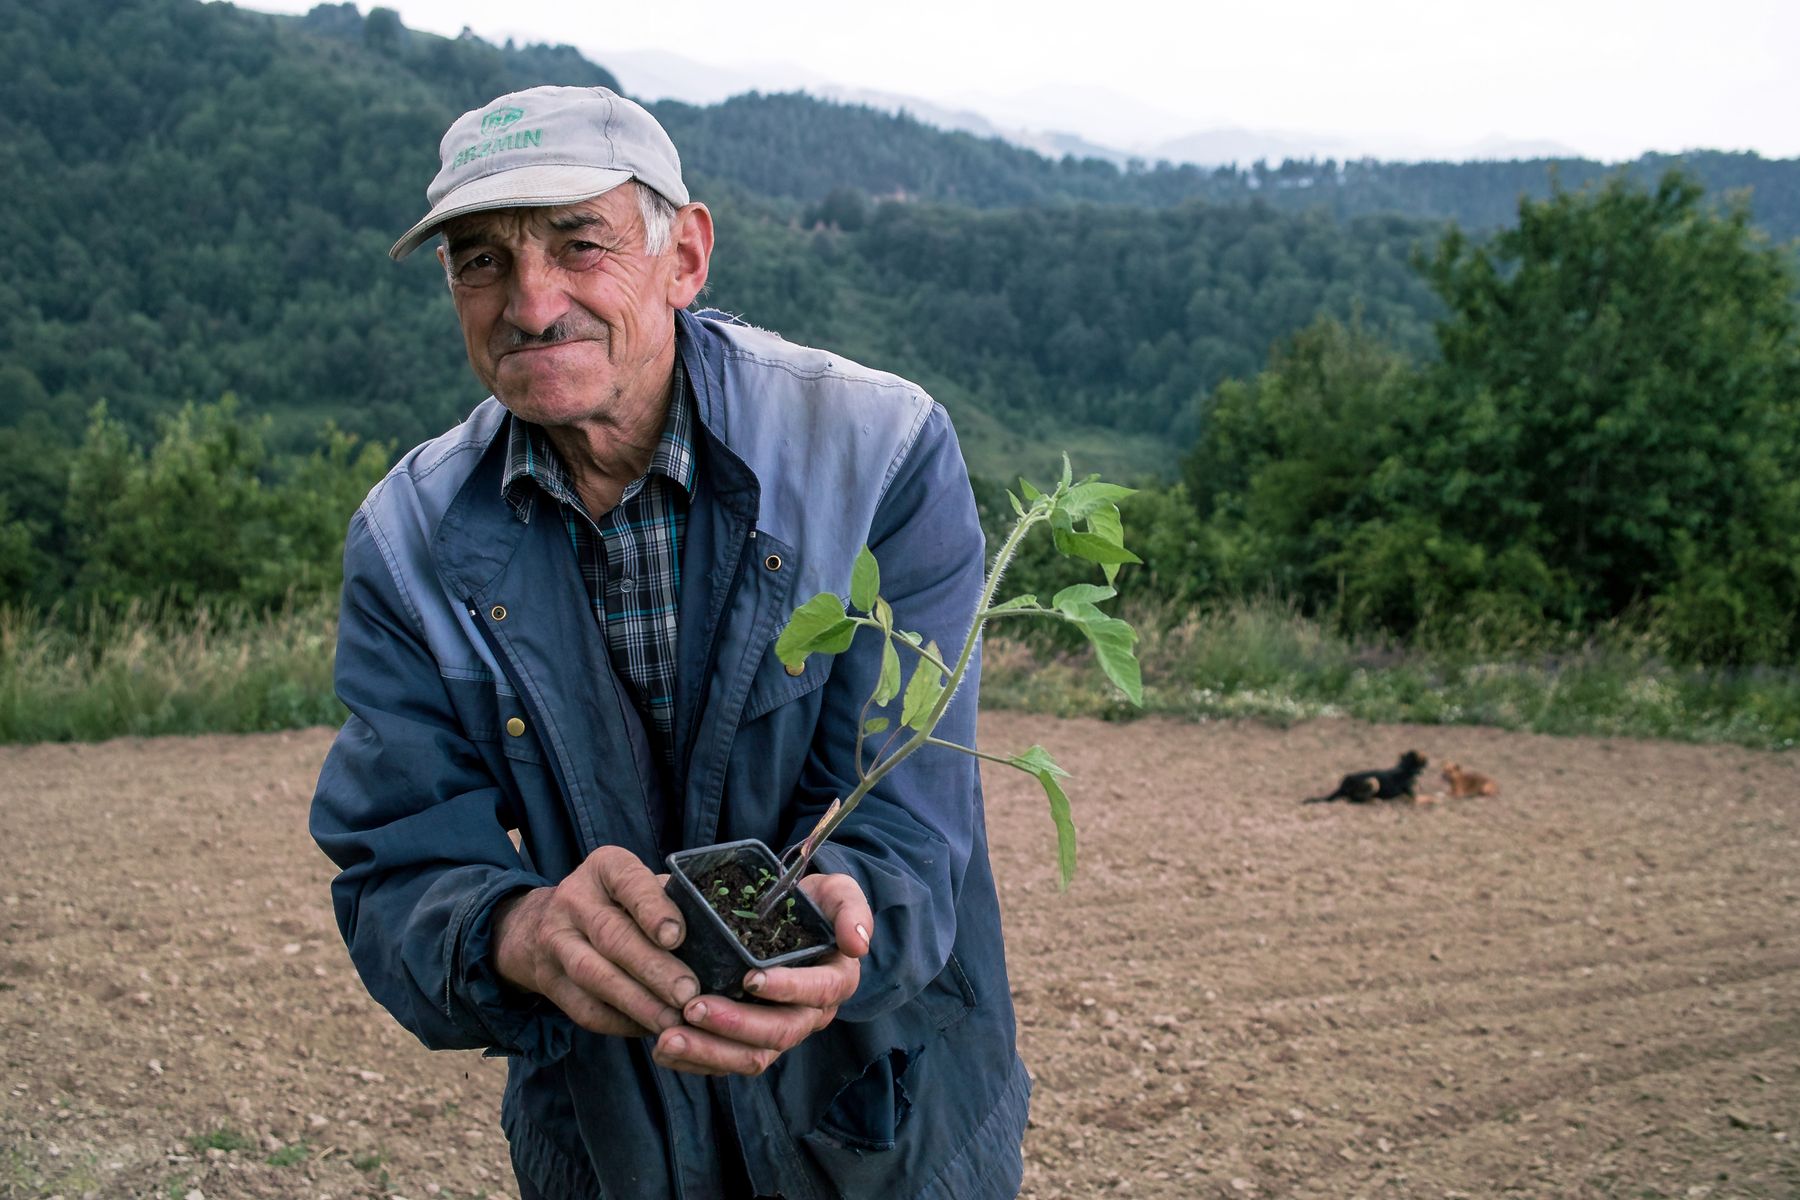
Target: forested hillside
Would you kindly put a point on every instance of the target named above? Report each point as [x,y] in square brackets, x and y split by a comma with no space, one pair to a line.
[237,178]
[1581,415]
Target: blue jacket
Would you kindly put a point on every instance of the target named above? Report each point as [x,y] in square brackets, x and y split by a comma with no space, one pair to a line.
[483,701]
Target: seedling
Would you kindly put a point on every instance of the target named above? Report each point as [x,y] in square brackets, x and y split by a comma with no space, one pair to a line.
[1083,519]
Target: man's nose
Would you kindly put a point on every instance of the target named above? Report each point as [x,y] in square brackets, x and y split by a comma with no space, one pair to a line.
[535,299]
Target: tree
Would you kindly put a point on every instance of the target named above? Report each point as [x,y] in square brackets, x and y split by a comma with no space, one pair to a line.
[1612,430]
[1294,462]
[205,516]
[1623,370]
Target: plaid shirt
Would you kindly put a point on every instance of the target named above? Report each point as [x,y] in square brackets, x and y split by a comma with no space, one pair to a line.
[630,558]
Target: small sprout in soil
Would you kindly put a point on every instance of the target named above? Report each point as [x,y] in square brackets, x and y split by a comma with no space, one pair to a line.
[223,1138]
[765,935]
[749,892]
[1084,524]
[287,1156]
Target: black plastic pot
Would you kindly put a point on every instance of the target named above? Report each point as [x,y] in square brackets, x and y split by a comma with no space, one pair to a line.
[711,949]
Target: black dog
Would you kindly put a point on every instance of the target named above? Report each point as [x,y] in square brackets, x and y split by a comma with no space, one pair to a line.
[1396,783]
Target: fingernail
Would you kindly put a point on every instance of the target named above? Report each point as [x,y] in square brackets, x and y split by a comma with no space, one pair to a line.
[685,989]
[676,1045]
[668,935]
[755,982]
[696,1013]
[864,933]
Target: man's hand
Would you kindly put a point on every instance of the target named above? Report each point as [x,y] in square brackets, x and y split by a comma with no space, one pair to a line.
[734,1037]
[597,946]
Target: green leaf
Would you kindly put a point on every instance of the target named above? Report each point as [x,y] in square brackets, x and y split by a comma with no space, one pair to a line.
[1025,601]
[1086,497]
[818,626]
[884,614]
[1035,760]
[910,636]
[1031,494]
[865,580]
[1104,522]
[1087,594]
[1068,475]
[1018,507]
[922,692]
[875,725]
[888,686]
[1112,640]
[1065,829]
[1089,546]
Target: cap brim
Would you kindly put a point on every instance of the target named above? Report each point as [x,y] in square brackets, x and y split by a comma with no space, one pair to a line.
[521,187]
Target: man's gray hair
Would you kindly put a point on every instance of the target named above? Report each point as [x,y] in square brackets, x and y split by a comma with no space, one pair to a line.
[659,218]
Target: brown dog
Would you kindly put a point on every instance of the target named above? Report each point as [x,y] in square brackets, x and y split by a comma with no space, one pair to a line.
[1468,783]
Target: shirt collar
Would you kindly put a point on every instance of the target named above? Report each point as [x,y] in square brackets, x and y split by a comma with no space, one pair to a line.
[530,456]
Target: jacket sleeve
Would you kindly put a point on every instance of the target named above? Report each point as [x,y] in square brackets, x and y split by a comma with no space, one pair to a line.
[417,824]
[909,841]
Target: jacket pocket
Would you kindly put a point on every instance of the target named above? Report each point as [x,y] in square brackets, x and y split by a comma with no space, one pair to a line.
[772,686]
[867,1115]
[492,715]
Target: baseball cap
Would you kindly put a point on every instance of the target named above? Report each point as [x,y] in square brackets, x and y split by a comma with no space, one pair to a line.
[546,146]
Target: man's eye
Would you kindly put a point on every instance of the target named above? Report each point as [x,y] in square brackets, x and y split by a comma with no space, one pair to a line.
[577,255]
[478,270]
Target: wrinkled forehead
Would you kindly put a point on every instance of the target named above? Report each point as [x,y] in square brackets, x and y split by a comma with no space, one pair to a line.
[613,214]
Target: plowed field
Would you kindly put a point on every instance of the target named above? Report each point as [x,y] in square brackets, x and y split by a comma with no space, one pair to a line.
[1586,986]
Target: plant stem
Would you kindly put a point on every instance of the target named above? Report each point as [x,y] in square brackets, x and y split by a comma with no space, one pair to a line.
[1020,611]
[970,751]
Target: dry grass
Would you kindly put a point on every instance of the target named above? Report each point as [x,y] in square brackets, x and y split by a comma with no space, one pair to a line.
[149,672]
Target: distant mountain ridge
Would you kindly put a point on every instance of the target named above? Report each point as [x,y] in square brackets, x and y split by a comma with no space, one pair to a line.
[797,147]
[1053,130]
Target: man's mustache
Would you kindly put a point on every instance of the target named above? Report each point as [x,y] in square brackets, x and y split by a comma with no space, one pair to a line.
[566,329]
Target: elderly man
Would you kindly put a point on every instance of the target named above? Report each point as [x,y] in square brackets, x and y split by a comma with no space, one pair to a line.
[557,651]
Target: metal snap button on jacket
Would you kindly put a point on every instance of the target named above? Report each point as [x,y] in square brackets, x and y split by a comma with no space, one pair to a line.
[498,612]
[515,726]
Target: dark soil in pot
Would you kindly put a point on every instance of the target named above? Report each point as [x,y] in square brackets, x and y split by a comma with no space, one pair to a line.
[732,892]
[716,888]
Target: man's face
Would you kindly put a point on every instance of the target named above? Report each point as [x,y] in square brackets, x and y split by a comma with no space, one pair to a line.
[564,316]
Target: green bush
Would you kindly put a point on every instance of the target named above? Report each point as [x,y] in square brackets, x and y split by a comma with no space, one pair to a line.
[206,517]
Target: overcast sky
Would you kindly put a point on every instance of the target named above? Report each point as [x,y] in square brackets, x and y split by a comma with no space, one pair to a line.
[1607,78]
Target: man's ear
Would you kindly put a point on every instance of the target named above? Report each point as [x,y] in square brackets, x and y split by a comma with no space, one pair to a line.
[692,240]
[443,257]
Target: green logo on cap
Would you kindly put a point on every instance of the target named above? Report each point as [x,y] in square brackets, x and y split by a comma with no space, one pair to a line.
[499,119]
[496,140]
